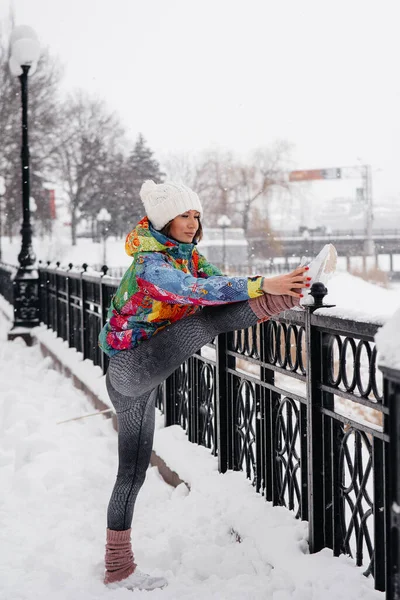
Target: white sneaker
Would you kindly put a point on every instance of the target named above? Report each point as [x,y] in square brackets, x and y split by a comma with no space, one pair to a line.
[321,270]
[139,581]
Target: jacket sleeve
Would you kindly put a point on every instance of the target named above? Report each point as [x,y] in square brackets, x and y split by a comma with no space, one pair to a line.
[166,284]
[205,268]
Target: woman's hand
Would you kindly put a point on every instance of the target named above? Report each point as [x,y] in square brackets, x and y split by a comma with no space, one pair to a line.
[289,284]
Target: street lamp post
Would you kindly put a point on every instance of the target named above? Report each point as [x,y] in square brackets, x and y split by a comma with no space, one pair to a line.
[25,52]
[224,222]
[104,218]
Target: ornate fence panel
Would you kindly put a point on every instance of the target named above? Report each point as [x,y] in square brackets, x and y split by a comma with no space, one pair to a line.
[349,467]
[191,400]
[267,383]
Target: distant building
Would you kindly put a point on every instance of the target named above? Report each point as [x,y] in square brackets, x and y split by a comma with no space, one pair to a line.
[235,246]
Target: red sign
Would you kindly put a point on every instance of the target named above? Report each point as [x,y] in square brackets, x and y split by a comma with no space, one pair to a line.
[305,175]
[314,174]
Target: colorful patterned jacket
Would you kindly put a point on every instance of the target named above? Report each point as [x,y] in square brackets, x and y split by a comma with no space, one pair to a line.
[166,281]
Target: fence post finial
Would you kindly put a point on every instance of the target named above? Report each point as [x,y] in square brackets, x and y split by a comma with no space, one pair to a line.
[318,292]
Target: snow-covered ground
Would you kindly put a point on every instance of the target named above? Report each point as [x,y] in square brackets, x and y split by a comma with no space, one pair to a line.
[56,480]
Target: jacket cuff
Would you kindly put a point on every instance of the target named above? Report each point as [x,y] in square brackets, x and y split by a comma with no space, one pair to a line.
[254,286]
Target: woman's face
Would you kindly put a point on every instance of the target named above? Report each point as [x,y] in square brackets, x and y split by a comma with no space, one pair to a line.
[184,227]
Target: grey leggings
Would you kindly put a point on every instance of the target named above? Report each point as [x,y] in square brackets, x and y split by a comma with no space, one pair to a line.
[132,379]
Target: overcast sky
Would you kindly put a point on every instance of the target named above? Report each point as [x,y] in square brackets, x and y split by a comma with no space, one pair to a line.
[188,74]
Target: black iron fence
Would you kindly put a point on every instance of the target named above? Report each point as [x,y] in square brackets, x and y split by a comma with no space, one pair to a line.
[7,274]
[297,403]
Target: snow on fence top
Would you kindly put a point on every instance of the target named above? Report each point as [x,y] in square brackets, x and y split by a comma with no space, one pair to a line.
[388,342]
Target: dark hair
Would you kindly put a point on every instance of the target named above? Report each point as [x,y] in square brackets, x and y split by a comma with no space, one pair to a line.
[197,237]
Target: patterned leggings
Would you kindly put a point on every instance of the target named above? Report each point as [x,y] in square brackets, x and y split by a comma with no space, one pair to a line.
[132,379]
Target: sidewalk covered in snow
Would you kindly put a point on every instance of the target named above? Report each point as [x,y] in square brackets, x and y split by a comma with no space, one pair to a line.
[220,540]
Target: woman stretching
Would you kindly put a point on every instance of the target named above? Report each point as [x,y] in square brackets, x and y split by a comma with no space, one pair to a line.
[170,303]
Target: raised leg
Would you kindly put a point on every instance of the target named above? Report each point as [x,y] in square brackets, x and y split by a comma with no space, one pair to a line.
[141,369]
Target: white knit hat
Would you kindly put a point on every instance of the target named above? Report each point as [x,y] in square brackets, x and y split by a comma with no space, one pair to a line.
[165,201]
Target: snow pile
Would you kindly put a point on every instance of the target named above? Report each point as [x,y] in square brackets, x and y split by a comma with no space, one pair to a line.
[56,481]
[359,300]
[388,342]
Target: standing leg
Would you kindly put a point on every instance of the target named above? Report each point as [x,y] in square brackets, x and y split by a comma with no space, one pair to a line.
[135,441]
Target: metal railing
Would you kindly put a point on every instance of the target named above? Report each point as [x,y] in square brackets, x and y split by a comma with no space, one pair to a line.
[74,303]
[297,403]
[7,274]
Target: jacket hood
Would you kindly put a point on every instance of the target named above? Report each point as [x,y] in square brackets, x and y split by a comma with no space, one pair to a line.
[144,238]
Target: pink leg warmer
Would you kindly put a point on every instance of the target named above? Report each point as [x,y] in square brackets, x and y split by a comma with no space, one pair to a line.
[267,305]
[119,558]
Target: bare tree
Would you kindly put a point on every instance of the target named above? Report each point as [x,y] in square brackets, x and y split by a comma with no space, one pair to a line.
[231,185]
[89,137]
[208,173]
[254,180]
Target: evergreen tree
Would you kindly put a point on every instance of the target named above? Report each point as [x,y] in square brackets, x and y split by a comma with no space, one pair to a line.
[141,165]
[115,184]
[108,189]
